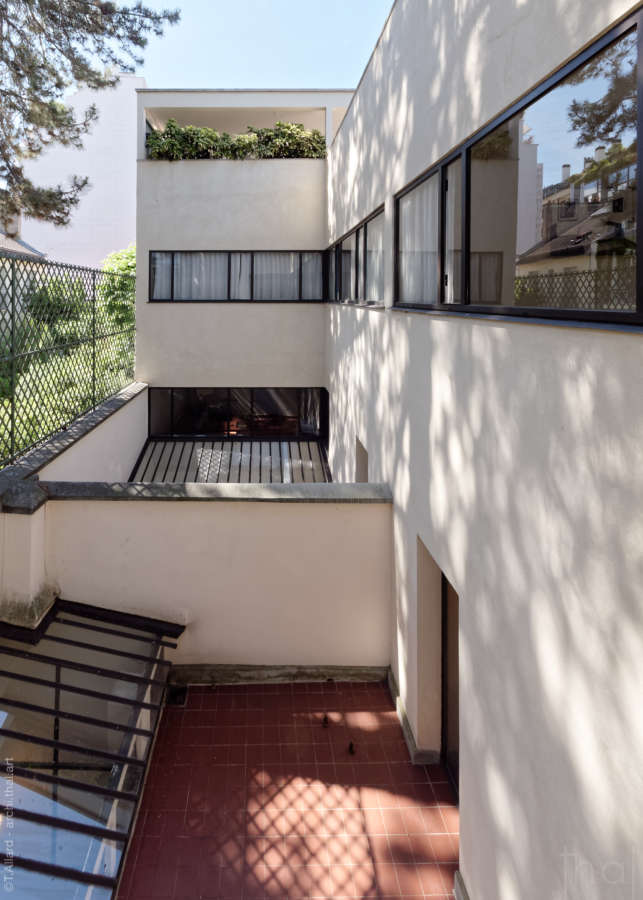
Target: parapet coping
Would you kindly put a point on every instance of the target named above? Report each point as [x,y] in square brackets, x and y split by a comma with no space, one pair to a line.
[320,492]
[19,488]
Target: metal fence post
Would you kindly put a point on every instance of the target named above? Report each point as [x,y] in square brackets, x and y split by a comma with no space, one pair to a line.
[13,361]
[94,340]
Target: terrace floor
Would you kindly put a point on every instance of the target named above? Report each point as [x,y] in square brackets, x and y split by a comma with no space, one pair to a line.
[250,796]
[244,461]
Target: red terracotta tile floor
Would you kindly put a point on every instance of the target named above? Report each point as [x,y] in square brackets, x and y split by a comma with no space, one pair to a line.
[249,796]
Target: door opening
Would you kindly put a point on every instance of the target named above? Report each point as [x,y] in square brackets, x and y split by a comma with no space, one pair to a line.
[450,750]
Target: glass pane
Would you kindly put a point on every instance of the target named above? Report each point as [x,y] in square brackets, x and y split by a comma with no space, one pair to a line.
[59,847]
[276,276]
[63,802]
[68,731]
[419,243]
[359,264]
[331,274]
[201,411]
[240,276]
[453,234]
[30,885]
[275,411]
[74,766]
[553,194]
[348,268]
[39,695]
[160,276]
[311,276]
[375,259]
[85,656]
[240,411]
[200,276]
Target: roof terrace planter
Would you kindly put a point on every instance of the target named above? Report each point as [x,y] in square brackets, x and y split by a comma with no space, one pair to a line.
[287,140]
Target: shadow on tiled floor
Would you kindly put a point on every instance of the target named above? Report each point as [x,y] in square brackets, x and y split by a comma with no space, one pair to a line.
[250,796]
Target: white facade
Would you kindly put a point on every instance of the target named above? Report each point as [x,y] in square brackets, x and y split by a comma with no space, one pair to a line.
[514,454]
[512,449]
[105,218]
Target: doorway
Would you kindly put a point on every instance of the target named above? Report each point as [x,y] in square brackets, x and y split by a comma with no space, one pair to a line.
[450,750]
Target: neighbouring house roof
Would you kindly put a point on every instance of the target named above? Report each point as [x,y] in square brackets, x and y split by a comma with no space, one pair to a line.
[15,245]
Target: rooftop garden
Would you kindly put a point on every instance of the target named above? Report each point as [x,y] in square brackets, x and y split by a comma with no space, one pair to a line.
[287,140]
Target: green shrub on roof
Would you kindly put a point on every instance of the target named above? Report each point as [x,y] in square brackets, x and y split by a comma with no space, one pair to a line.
[287,140]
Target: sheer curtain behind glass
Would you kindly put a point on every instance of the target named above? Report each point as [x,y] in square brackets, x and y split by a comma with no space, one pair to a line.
[419,242]
[348,268]
[160,276]
[311,276]
[240,264]
[276,276]
[375,259]
[453,234]
[200,276]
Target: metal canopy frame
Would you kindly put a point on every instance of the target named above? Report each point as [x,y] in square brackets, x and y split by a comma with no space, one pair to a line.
[114,762]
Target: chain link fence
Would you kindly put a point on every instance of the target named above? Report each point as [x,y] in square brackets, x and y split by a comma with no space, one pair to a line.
[66,343]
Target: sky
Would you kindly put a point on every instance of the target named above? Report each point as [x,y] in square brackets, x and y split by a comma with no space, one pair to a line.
[264,43]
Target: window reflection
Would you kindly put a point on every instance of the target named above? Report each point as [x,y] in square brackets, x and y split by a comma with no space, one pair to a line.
[553,194]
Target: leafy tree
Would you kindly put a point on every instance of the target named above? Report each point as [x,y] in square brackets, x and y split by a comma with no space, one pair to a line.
[118,292]
[57,299]
[605,120]
[46,46]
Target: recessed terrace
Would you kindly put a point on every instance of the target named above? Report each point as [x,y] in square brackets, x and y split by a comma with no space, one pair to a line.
[301,790]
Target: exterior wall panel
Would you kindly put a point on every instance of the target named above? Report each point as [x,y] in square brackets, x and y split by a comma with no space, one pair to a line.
[229,205]
[513,452]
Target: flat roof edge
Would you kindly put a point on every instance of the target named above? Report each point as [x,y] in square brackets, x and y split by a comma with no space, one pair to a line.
[171,90]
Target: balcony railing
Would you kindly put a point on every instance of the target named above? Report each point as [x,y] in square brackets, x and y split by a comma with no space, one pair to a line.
[66,343]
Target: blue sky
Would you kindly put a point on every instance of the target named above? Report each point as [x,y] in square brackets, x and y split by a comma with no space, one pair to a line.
[265,43]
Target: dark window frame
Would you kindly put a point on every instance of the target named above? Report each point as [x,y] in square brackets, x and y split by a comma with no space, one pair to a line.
[360,230]
[225,435]
[228,298]
[463,152]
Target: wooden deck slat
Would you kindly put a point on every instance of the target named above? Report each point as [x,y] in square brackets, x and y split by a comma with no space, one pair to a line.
[275,465]
[234,461]
[224,465]
[142,466]
[203,455]
[214,461]
[255,463]
[161,470]
[306,461]
[266,463]
[179,460]
[318,466]
[244,466]
[195,460]
[184,463]
[286,463]
[295,456]
[148,475]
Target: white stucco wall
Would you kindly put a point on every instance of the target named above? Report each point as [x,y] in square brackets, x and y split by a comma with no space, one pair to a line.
[231,345]
[105,219]
[108,452]
[230,205]
[257,583]
[514,453]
